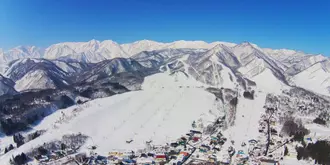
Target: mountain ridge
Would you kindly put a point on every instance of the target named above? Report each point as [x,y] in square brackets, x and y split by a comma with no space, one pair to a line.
[111,49]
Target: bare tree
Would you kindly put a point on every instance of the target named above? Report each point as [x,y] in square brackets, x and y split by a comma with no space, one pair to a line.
[270,111]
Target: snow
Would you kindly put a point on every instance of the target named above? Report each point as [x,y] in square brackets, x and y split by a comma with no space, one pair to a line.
[162,111]
[248,113]
[267,82]
[315,78]
[143,45]
[294,161]
[18,63]
[35,79]
[318,131]
[6,86]
[20,52]
[167,104]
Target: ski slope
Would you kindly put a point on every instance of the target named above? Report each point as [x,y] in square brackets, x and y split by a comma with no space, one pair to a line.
[161,112]
[248,113]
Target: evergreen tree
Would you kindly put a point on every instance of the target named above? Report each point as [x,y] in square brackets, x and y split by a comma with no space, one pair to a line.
[10,147]
[18,139]
[194,124]
[63,146]
[286,151]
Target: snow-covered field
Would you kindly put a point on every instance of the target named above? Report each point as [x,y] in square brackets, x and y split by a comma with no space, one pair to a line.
[161,112]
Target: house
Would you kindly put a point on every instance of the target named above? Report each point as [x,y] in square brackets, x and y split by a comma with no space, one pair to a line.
[175,144]
[195,132]
[160,157]
[101,160]
[195,138]
[206,147]
[253,141]
[41,158]
[216,149]
[212,158]
[184,153]
[144,161]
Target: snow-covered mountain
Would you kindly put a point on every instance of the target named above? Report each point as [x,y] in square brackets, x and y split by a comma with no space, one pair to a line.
[315,78]
[92,51]
[246,59]
[6,86]
[96,51]
[219,66]
[240,93]
[143,45]
[21,52]
[108,68]
[72,67]
[36,74]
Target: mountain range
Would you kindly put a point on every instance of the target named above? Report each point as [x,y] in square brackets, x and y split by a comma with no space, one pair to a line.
[208,62]
[106,90]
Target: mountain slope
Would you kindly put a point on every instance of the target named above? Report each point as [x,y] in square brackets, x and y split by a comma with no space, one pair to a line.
[254,61]
[71,66]
[151,113]
[108,68]
[215,67]
[245,59]
[17,69]
[92,51]
[143,45]
[315,78]
[36,74]
[6,86]
[21,52]
[40,79]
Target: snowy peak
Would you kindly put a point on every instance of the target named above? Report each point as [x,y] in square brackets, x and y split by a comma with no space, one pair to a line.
[108,68]
[188,44]
[147,45]
[280,52]
[228,44]
[110,49]
[143,45]
[244,49]
[220,48]
[223,54]
[19,68]
[58,50]
[20,52]
[91,51]
[40,79]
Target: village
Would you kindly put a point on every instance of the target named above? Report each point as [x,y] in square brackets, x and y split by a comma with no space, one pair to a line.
[197,146]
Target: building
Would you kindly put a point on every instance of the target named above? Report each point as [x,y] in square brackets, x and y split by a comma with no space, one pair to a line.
[269,162]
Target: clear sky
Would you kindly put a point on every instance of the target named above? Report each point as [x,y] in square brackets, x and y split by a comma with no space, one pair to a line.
[301,25]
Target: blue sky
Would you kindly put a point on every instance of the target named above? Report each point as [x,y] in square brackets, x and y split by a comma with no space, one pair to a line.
[301,25]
